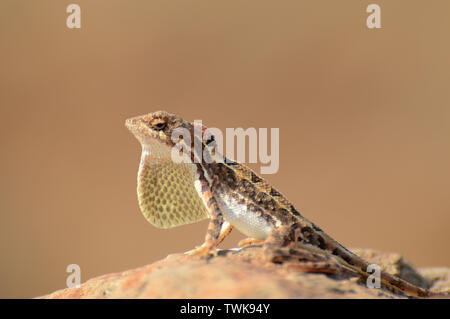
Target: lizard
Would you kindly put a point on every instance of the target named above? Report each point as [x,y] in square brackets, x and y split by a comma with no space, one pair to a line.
[206,184]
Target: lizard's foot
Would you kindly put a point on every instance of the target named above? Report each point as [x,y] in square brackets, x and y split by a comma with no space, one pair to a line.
[249,242]
[304,260]
[203,252]
[273,245]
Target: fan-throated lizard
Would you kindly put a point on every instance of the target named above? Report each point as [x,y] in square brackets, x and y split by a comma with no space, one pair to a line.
[208,185]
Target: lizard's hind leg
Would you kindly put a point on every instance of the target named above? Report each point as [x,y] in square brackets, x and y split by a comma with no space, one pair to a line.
[282,247]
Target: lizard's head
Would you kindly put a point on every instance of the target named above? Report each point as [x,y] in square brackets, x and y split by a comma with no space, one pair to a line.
[159,132]
[156,127]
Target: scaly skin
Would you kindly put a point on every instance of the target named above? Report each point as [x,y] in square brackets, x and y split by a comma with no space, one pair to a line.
[231,194]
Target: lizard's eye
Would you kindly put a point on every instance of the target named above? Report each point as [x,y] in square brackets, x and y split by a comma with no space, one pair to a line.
[158,124]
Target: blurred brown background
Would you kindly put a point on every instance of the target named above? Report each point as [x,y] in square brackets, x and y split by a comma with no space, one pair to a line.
[364,118]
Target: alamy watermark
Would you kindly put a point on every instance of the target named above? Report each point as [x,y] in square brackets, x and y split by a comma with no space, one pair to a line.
[373,21]
[73,20]
[213,149]
[374,280]
[74,279]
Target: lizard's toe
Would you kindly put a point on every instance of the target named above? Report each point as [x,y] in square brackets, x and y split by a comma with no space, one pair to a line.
[202,252]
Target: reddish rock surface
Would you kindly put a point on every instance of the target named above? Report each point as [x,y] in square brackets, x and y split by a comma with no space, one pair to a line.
[244,274]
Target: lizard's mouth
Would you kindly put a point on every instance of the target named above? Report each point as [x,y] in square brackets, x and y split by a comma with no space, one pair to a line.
[140,131]
[152,143]
[132,124]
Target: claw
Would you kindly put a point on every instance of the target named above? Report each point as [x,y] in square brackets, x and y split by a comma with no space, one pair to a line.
[250,241]
[202,252]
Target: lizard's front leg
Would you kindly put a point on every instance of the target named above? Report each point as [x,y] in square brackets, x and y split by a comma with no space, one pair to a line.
[217,230]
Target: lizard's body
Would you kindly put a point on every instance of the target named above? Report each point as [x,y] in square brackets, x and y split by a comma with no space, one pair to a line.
[232,195]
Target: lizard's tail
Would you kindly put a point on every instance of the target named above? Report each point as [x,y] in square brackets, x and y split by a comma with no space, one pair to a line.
[388,281]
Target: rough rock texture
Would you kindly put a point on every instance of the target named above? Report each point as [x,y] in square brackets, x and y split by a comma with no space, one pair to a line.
[244,274]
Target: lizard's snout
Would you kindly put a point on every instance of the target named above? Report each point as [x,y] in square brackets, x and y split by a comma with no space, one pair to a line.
[129,123]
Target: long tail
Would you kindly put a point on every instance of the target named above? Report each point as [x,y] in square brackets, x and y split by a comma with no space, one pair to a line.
[388,281]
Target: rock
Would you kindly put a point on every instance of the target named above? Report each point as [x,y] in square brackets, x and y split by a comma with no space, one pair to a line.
[244,274]
[439,278]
